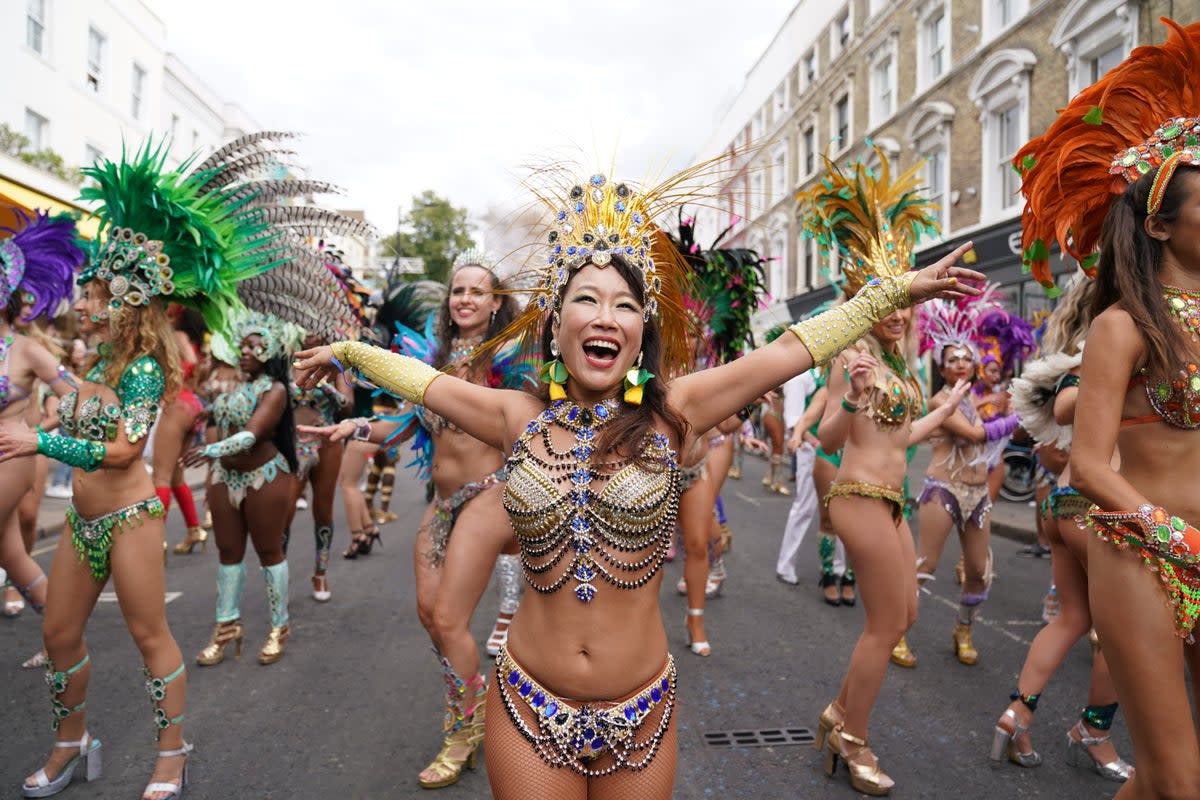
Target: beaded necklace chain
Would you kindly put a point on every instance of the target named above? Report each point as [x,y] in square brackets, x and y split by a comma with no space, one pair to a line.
[5,347]
[1185,307]
[461,349]
[895,363]
[1177,400]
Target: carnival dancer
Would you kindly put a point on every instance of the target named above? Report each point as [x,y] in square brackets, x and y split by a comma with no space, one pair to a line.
[38,259]
[464,529]
[175,431]
[955,493]
[252,465]
[1002,339]
[1045,396]
[584,694]
[1119,170]
[873,415]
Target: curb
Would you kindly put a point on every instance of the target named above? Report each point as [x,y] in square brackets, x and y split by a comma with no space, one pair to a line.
[1014,532]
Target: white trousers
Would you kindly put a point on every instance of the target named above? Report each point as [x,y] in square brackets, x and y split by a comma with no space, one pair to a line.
[802,515]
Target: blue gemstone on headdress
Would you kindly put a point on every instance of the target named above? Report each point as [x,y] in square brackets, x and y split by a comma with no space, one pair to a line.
[525,688]
[656,695]
[641,252]
[513,679]
[538,700]
[597,180]
[571,250]
[579,208]
[551,709]
[585,592]
[637,219]
[620,206]
[550,259]
[628,249]
[562,215]
[630,713]
[643,706]
[558,248]
[583,251]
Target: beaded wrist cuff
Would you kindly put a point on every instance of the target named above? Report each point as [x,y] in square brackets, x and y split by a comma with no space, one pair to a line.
[239,442]
[401,375]
[80,453]
[827,334]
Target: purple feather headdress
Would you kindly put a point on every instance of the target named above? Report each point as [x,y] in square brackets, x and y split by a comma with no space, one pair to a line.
[1012,334]
[40,257]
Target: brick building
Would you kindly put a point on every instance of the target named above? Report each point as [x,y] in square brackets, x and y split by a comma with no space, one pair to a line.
[959,85]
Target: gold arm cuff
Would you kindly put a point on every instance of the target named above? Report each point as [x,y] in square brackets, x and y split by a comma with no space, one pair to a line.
[831,332]
[400,375]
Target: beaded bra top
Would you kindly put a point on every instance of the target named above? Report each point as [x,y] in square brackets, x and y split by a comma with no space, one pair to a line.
[138,394]
[8,394]
[232,411]
[324,399]
[1175,399]
[570,529]
[899,398]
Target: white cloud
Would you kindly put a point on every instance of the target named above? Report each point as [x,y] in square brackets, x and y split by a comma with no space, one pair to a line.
[398,97]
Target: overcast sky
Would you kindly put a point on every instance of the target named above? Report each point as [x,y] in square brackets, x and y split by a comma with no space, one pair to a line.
[398,96]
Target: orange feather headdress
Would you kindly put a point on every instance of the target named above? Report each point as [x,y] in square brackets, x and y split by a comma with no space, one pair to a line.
[1129,123]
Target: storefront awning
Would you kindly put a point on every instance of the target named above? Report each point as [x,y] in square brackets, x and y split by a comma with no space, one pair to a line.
[17,195]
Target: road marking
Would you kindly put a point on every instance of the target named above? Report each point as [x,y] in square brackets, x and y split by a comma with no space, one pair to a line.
[111,597]
[41,551]
[749,500]
[982,620]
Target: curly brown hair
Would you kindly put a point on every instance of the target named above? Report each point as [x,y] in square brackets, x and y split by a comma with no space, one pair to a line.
[136,332]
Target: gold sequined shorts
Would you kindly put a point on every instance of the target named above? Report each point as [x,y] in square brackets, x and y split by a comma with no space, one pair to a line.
[874,490]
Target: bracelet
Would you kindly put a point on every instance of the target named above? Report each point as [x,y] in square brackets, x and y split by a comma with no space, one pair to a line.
[81,453]
[362,429]
[394,373]
[240,442]
[832,331]
[849,407]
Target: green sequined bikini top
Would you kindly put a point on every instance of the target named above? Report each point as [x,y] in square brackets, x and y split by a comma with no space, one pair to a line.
[232,411]
[138,394]
[568,529]
[898,399]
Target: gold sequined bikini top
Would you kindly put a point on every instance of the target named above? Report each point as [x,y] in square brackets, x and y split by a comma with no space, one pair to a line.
[897,401]
[138,394]
[570,530]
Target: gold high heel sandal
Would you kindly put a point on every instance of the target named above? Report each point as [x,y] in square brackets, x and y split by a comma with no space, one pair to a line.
[446,768]
[964,646]
[223,634]
[195,536]
[902,654]
[272,651]
[866,778]
[830,718]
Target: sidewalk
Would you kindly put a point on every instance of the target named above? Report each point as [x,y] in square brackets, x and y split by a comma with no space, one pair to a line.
[52,511]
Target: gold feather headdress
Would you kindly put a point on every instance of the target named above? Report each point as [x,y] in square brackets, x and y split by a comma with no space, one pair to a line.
[871,221]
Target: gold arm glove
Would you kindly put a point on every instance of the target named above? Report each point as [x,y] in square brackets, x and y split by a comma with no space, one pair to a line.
[401,375]
[831,332]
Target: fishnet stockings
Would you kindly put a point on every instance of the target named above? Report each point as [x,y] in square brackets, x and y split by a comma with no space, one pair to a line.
[517,772]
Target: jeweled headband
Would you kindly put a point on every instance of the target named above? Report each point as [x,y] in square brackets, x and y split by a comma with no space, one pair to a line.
[1177,141]
[134,267]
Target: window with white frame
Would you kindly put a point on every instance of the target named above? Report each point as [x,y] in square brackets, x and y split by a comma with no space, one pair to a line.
[929,135]
[35,25]
[811,259]
[757,188]
[883,84]
[174,126]
[841,122]
[779,176]
[933,42]
[137,89]
[1000,14]
[1095,36]
[95,58]
[808,67]
[875,6]
[91,155]
[757,123]
[1000,89]
[37,130]
[779,271]
[808,148]
[840,33]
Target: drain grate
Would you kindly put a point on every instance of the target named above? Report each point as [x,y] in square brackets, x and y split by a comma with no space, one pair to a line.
[768,737]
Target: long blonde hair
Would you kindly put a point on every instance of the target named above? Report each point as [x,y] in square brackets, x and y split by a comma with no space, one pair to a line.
[135,332]
[1067,325]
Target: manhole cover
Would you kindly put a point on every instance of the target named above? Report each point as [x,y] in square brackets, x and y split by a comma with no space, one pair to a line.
[769,737]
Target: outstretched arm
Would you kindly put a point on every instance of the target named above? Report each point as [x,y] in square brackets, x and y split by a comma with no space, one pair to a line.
[926,425]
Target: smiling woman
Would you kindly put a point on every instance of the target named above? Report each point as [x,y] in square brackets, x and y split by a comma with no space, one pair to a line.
[583,698]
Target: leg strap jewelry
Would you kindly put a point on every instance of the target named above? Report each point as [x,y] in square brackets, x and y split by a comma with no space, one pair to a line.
[1100,717]
[1030,700]
[387,485]
[26,591]
[324,537]
[58,682]
[509,583]
[157,689]
[825,552]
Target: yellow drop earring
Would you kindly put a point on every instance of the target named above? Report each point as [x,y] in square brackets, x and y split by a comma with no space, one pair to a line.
[555,373]
[635,382]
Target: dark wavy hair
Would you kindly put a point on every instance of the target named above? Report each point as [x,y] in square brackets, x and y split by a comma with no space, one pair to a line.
[284,437]
[446,329]
[1129,263]
[625,434]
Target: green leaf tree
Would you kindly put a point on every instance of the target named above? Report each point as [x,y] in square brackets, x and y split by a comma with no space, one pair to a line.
[432,229]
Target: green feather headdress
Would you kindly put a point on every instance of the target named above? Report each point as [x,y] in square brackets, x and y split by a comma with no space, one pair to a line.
[202,236]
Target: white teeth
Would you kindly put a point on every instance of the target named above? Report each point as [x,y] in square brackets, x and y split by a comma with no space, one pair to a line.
[601,343]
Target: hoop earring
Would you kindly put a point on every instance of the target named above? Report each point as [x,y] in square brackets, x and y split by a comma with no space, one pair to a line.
[635,382]
[554,372]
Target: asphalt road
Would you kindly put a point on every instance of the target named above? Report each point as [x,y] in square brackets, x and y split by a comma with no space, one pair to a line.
[353,710]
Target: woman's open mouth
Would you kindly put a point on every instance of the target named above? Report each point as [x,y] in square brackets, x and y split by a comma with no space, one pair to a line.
[601,352]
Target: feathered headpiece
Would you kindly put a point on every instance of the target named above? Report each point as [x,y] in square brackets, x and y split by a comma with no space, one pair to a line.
[725,290]
[207,235]
[1139,118]
[871,221]
[279,338]
[1033,397]
[593,221]
[39,257]
[955,323]
[1006,337]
